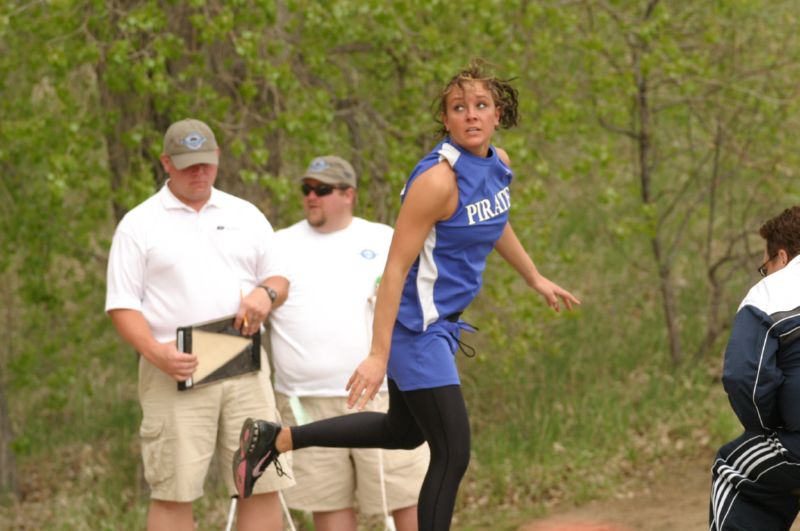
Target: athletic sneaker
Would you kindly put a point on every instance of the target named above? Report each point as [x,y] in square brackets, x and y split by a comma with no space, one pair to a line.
[256,452]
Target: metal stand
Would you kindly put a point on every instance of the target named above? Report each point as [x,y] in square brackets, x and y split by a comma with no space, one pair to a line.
[232,512]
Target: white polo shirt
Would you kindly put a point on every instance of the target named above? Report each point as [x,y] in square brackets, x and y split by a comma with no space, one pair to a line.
[323,330]
[179,266]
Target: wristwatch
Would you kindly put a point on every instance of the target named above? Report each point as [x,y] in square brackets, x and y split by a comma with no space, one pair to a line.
[271,293]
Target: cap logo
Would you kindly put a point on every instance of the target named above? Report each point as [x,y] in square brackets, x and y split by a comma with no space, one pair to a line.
[193,141]
[369,254]
[318,165]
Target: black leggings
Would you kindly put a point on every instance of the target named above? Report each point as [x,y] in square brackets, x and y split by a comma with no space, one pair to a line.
[438,416]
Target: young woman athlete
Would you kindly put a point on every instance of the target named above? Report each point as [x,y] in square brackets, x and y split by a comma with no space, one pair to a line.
[454,212]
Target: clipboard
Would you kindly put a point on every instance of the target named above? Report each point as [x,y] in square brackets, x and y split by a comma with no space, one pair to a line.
[222,351]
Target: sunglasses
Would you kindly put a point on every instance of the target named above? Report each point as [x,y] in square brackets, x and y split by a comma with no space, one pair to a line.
[762,269]
[321,190]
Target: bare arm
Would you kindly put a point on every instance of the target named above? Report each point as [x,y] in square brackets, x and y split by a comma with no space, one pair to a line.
[433,196]
[134,329]
[512,252]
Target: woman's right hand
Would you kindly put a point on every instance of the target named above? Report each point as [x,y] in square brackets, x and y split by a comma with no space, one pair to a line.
[432,196]
[366,381]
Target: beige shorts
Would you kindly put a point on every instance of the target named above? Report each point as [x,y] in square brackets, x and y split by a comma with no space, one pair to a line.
[331,479]
[181,430]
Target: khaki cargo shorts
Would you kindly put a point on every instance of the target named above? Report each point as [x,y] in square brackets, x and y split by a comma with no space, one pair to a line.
[331,479]
[182,430]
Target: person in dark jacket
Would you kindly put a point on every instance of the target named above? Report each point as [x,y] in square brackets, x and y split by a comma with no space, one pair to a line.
[756,477]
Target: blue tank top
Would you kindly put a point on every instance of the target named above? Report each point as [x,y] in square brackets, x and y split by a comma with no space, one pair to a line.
[447,275]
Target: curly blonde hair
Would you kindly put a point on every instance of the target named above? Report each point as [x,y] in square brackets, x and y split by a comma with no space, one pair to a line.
[504,95]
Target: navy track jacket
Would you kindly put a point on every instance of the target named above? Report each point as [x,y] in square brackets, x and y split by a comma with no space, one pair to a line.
[762,360]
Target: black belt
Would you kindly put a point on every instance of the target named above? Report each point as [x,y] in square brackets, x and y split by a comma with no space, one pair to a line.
[454,317]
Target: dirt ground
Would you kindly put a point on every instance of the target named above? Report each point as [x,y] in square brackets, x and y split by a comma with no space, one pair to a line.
[677,502]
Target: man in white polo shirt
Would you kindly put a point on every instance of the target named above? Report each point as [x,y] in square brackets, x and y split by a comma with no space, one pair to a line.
[188,254]
[318,336]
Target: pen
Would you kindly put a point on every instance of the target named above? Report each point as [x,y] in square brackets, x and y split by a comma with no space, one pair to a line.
[244,318]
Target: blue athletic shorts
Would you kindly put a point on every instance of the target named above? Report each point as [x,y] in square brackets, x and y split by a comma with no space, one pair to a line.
[423,360]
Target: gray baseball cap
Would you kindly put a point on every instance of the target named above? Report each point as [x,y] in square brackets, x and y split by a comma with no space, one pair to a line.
[331,170]
[189,142]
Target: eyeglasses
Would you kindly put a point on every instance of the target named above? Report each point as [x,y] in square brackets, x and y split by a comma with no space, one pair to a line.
[762,269]
[321,189]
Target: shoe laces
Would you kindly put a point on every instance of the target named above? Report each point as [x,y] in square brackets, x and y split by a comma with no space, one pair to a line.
[279,469]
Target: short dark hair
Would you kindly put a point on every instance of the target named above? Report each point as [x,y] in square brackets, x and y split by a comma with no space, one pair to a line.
[783,232]
[504,95]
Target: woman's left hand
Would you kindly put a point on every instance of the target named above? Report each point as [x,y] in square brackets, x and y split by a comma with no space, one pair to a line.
[552,292]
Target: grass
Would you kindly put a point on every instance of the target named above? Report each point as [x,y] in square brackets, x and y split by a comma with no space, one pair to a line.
[556,430]
[564,409]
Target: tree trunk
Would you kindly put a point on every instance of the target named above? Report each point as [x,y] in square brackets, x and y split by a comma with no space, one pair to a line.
[714,326]
[643,142]
[669,304]
[8,464]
